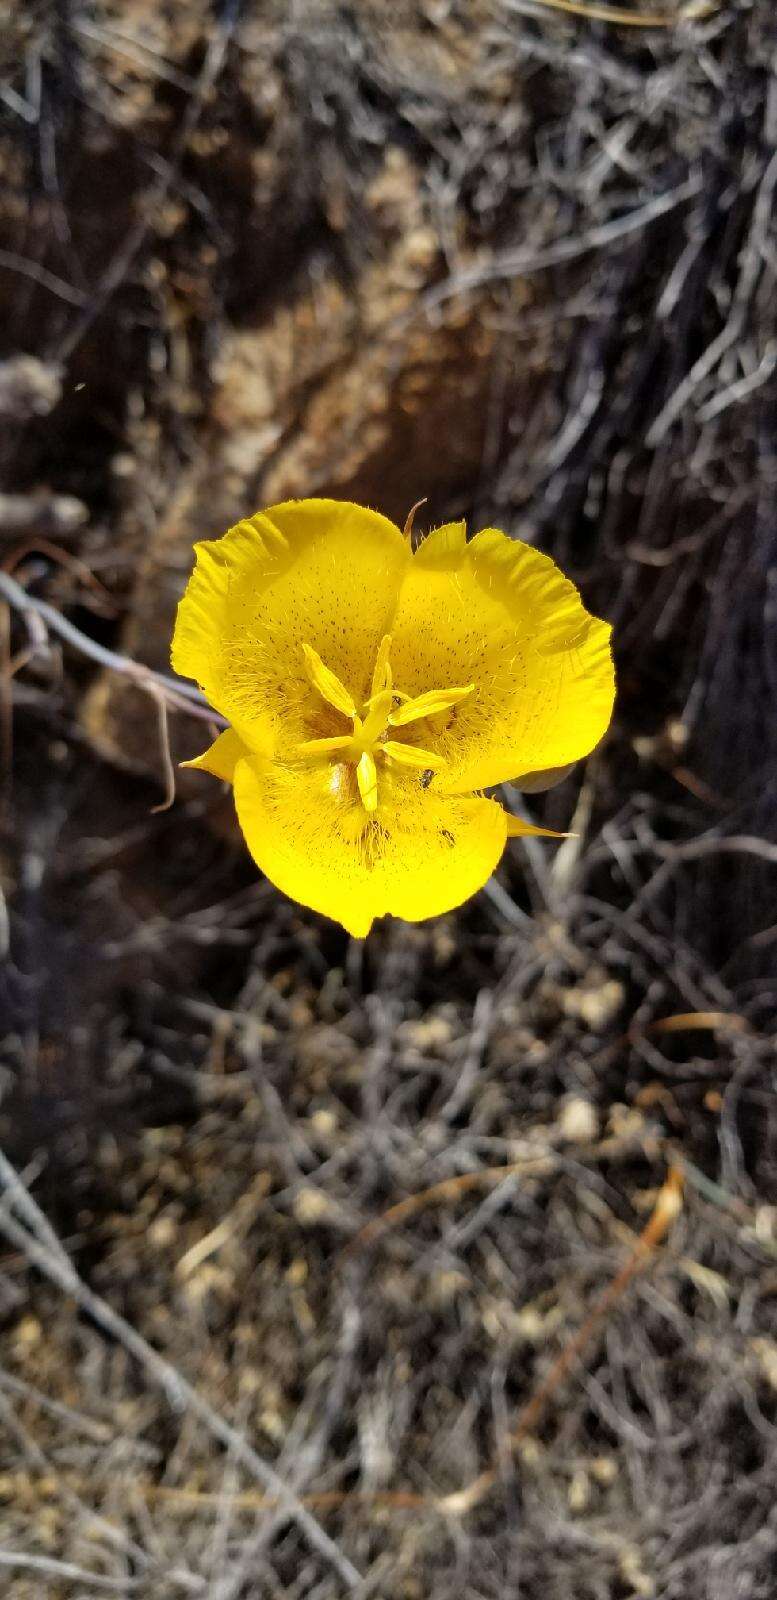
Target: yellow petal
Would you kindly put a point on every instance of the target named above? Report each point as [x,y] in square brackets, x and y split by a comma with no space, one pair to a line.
[518,829]
[367,779]
[442,544]
[321,572]
[428,705]
[418,855]
[220,757]
[411,755]
[327,684]
[506,619]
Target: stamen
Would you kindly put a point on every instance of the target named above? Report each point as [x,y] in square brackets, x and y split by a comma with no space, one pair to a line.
[426,705]
[327,683]
[381,677]
[324,747]
[409,755]
[367,779]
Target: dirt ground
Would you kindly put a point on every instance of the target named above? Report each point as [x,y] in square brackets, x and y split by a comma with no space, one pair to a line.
[523,264]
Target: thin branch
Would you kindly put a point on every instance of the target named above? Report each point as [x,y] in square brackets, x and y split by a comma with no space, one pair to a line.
[443,1193]
[19,1561]
[40,275]
[167,760]
[179,694]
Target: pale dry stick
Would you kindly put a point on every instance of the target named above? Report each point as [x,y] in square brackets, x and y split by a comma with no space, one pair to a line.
[507,908]
[317,1500]
[180,695]
[40,275]
[99,1432]
[742,388]
[16,103]
[35,1242]
[36,545]
[694,11]
[127,44]
[18,1196]
[164,745]
[66,1571]
[307,1460]
[440,1193]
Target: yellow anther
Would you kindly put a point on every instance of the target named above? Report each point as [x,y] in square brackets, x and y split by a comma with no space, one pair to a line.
[409,755]
[367,779]
[327,683]
[427,705]
[325,747]
[381,677]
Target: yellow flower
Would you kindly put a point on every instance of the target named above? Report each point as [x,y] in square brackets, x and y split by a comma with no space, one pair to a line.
[373,692]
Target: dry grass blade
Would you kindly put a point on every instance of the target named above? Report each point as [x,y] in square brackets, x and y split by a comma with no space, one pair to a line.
[440,1194]
[620,16]
[689,1021]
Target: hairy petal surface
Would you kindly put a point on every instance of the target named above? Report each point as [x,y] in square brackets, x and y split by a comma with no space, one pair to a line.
[500,615]
[416,856]
[320,573]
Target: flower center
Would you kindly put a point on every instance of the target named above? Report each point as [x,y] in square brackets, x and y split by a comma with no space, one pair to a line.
[370,740]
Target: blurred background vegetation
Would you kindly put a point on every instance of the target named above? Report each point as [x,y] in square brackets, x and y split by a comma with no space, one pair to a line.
[522,264]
